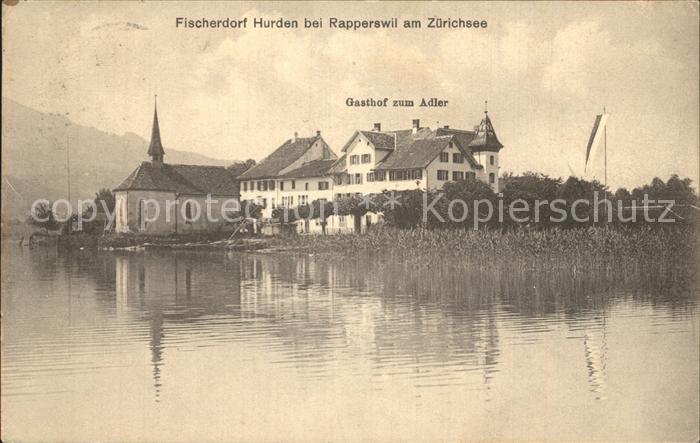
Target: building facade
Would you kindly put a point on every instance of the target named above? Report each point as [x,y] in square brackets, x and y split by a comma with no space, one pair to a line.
[295,174]
[302,170]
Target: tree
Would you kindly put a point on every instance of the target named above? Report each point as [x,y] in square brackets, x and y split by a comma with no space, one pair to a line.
[246,209]
[470,191]
[43,217]
[239,168]
[104,201]
[576,190]
[623,195]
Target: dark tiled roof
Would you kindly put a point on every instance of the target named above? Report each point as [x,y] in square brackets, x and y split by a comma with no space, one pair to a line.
[485,138]
[183,179]
[315,168]
[416,153]
[340,166]
[238,168]
[281,158]
[215,180]
[462,136]
[380,140]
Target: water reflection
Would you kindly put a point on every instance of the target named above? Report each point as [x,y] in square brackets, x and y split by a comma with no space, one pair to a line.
[442,333]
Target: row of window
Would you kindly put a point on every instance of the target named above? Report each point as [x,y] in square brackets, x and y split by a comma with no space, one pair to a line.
[459,175]
[378,176]
[356,159]
[269,185]
[456,175]
[339,195]
[356,179]
[458,157]
[287,202]
[405,174]
[264,185]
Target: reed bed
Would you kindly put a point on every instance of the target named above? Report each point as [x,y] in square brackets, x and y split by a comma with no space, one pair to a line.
[594,246]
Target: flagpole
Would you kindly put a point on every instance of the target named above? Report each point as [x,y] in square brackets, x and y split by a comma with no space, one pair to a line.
[605,138]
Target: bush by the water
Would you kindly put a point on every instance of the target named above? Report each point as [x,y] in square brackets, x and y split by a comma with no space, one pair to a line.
[437,209]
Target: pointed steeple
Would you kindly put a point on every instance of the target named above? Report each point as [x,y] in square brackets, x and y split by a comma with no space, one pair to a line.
[155,149]
[485,137]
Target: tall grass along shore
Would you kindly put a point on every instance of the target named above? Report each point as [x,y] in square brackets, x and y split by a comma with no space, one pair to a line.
[589,246]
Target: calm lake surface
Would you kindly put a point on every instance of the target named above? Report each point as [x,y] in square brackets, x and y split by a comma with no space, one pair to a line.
[228,346]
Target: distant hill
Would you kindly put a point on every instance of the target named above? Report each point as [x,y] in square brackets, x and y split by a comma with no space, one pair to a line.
[34,158]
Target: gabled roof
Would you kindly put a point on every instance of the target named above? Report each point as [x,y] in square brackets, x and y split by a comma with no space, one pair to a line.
[485,138]
[182,179]
[417,153]
[461,140]
[418,150]
[215,180]
[462,136]
[282,157]
[314,168]
[340,166]
[380,140]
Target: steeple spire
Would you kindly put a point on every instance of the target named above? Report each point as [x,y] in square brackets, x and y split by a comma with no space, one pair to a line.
[155,150]
[485,138]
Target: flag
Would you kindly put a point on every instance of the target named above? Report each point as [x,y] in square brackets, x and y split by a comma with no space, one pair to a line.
[596,136]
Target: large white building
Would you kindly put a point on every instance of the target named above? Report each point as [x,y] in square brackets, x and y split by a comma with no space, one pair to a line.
[295,174]
[306,169]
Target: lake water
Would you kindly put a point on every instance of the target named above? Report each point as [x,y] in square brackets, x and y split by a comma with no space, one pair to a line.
[228,346]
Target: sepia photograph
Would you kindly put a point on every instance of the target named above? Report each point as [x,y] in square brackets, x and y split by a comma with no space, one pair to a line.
[350,221]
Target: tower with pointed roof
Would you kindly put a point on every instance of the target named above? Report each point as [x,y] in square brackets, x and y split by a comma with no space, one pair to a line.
[155,149]
[486,147]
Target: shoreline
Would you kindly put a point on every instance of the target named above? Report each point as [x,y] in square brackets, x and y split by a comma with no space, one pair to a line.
[583,246]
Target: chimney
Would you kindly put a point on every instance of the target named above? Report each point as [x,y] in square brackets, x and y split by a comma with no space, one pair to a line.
[318,133]
[416,125]
[446,127]
[296,135]
[377,127]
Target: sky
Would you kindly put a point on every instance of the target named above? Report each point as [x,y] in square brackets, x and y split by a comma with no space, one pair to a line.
[546,70]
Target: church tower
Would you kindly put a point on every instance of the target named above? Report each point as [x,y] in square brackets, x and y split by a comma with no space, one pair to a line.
[155,149]
[485,147]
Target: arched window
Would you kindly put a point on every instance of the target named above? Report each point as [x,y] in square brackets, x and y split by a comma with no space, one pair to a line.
[492,178]
[140,213]
[188,212]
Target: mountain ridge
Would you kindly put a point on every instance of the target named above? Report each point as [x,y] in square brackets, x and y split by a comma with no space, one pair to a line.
[35,161]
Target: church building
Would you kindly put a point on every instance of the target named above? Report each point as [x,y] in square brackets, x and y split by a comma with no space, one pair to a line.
[158,198]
